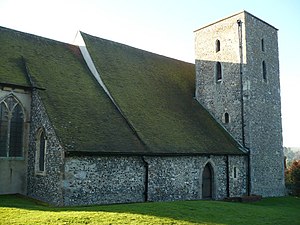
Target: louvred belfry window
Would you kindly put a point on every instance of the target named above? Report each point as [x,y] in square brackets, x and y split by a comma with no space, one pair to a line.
[11,128]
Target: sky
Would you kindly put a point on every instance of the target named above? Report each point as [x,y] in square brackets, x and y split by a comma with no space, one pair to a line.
[166,27]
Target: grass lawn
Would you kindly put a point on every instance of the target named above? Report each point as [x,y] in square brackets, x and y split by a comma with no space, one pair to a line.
[285,210]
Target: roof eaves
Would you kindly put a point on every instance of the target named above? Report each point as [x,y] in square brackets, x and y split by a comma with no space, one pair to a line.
[158,154]
[18,86]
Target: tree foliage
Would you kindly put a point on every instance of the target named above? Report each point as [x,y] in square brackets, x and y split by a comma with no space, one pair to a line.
[295,171]
[292,177]
[291,155]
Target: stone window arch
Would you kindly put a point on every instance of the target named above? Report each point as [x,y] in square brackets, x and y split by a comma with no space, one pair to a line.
[218,45]
[218,72]
[11,127]
[40,156]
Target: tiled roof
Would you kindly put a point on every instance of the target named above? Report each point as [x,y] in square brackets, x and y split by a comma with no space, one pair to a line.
[154,92]
[83,117]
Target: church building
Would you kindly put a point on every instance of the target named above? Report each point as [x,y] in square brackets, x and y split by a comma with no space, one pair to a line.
[100,122]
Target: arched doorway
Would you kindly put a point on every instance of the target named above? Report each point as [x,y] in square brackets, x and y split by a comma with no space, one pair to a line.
[207,182]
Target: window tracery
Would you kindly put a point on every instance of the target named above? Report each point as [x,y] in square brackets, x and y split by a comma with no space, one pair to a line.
[11,128]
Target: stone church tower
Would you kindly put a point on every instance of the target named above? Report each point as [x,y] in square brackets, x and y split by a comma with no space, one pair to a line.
[237,81]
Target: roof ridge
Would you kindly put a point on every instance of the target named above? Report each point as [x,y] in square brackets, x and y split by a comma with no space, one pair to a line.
[135,48]
[36,36]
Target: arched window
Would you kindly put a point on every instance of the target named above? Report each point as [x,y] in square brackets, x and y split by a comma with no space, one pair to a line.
[262,45]
[226,118]
[11,128]
[264,70]
[218,45]
[218,71]
[41,144]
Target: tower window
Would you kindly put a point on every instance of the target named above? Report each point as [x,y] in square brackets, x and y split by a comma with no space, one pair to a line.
[234,172]
[11,128]
[218,71]
[218,45]
[262,45]
[226,118]
[264,70]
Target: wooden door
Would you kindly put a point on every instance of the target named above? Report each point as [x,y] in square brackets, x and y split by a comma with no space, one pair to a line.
[207,182]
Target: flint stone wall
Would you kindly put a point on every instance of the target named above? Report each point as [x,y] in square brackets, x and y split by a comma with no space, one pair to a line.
[122,179]
[103,180]
[263,109]
[45,187]
[261,97]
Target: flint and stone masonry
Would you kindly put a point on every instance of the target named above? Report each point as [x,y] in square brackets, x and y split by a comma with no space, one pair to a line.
[44,186]
[248,92]
[237,81]
[122,179]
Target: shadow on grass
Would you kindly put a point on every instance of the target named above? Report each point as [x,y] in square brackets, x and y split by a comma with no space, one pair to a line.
[284,210]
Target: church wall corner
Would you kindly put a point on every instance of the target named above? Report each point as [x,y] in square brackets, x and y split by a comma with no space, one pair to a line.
[45,187]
